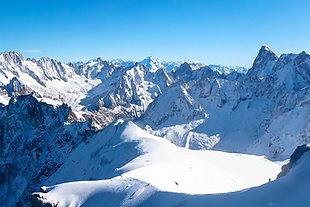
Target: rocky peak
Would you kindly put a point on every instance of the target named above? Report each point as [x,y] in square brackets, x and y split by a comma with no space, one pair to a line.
[263,63]
[152,63]
[208,72]
[13,58]
[303,63]
[99,60]
[303,56]
[33,111]
[265,54]
[45,60]
[15,88]
[53,69]
[183,71]
[104,63]
[32,60]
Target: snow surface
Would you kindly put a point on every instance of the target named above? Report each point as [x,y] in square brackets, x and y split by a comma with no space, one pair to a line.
[288,191]
[132,165]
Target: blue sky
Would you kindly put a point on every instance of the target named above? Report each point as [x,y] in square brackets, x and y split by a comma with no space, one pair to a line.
[223,32]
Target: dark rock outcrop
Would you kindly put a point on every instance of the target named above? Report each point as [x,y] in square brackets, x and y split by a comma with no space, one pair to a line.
[298,153]
[35,139]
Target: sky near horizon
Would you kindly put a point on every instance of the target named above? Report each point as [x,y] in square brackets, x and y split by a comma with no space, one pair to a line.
[226,32]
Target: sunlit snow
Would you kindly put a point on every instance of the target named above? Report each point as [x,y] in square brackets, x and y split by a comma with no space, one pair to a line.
[154,162]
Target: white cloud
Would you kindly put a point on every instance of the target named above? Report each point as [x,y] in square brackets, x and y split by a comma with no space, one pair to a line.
[32,51]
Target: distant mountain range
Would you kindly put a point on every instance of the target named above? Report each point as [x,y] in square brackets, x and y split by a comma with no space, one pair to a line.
[154,64]
[50,112]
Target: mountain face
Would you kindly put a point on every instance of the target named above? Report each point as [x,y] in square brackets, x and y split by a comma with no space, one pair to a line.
[50,108]
[35,139]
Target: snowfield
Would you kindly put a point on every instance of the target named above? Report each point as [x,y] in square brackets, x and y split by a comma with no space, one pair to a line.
[129,166]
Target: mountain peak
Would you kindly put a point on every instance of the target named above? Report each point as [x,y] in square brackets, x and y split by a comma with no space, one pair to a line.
[12,56]
[152,63]
[101,61]
[265,47]
[150,59]
[264,62]
[265,50]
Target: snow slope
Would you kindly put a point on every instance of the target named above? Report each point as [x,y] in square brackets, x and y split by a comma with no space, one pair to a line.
[288,191]
[123,157]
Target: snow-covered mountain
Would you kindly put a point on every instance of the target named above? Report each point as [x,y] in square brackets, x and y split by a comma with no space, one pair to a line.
[56,117]
[250,113]
[48,79]
[228,69]
[154,64]
[35,140]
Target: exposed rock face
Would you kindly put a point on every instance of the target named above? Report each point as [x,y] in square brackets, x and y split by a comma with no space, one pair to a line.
[13,58]
[180,108]
[298,153]
[15,88]
[34,142]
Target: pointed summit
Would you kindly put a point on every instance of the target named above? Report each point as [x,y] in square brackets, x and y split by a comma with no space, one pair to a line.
[12,57]
[152,63]
[265,47]
[264,62]
[100,61]
[265,51]
[149,60]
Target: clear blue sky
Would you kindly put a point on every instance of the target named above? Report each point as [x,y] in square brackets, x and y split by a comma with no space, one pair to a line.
[227,32]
